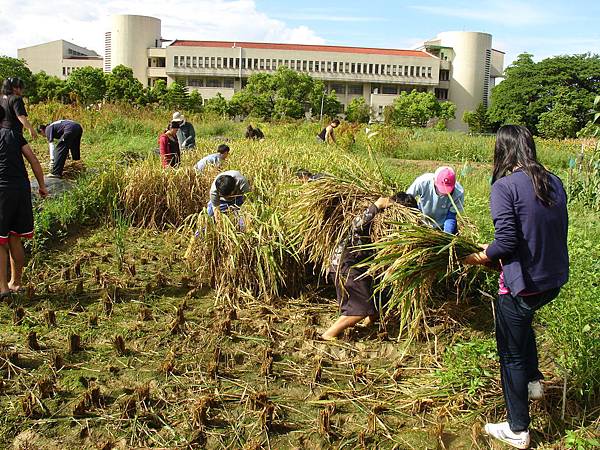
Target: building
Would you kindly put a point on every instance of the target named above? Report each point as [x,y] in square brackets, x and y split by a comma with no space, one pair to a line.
[456,66]
[59,58]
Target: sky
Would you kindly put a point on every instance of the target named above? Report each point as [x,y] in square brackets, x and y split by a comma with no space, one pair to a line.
[543,28]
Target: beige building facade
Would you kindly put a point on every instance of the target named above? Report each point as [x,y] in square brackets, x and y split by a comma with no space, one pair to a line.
[59,58]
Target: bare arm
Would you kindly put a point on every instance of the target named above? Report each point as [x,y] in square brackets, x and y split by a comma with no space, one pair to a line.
[37,169]
[26,124]
[329,135]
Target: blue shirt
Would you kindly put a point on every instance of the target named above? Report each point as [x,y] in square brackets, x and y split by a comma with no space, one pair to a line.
[530,239]
[214,160]
[438,208]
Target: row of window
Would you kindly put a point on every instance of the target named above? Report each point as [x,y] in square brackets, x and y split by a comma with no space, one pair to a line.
[217,62]
[67,70]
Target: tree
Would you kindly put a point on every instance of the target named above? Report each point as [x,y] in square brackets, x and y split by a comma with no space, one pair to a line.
[217,105]
[558,123]
[415,109]
[88,84]
[176,97]
[358,111]
[531,89]
[13,67]
[157,93]
[49,88]
[195,101]
[477,120]
[122,86]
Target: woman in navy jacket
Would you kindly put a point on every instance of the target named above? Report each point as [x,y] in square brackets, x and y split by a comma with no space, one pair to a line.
[529,211]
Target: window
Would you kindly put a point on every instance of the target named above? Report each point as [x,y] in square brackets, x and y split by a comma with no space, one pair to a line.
[305,65]
[376,69]
[188,61]
[310,66]
[228,83]
[175,61]
[406,69]
[232,63]
[394,70]
[352,68]
[441,94]
[444,75]
[64,70]
[261,64]
[380,110]
[429,72]
[347,67]
[213,62]
[196,82]
[335,66]
[370,69]
[328,66]
[338,88]
[390,90]
[255,66]
[212,82]
[417,71]
[355,89]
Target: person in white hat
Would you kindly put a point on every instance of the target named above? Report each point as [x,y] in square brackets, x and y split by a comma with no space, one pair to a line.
[186,134]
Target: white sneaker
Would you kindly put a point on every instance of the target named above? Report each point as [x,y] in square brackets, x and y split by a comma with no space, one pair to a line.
[502,432]
[535,390]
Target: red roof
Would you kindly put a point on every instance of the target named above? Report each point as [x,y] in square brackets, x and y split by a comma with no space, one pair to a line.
[301,47]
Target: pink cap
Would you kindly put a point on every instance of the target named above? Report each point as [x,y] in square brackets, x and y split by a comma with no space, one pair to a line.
[445,180]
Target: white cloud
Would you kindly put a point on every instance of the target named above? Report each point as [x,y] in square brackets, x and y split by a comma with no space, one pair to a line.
[85,22]
[509,13]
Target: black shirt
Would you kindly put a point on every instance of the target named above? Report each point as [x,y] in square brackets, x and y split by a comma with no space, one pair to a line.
[13,107]
[13,175]
[60,128]
[322,134]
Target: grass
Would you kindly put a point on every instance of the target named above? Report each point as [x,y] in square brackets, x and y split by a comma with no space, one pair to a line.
[243,370]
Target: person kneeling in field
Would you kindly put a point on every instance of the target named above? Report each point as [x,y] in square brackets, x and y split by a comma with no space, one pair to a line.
[440,197]
[354,289]
[16,213]
[213,160]
[227,191]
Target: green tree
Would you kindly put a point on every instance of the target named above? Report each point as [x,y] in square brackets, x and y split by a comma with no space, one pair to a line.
[217,105]
[176,97]
[358,111]
[531,89]
[122,86]
[477,120]
[88,84]
[157,93]
[49,88]
[13,67]
[195,102]
[558,123]
[415,109]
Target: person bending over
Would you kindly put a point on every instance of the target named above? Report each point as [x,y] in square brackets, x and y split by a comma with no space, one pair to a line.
[214,159]
[68,133]
[254,133]
[227,192]
[439,197]
[326,135]
[354,289]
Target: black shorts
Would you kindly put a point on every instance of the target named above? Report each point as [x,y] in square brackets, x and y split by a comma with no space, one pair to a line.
[16,215]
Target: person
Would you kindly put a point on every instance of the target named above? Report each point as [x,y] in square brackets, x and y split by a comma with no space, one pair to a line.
[170,155]
[254,133]
[15,114]
[68,133]
[354,289]
[326,135]
[306,175]
[227,192]
[439,197]
[215,159]
[186,135]
[529,210]
[16,213]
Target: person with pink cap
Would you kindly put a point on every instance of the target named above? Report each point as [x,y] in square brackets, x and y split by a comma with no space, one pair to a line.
[440,197]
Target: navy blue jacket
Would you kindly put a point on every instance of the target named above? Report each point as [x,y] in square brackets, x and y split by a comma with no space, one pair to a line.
[62,128]
[530,239]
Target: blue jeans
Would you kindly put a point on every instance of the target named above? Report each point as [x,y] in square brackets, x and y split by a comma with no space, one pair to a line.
[225,205]
[518,351]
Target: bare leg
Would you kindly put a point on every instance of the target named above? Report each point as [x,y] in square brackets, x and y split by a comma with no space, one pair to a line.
[340,325]
[4,269]
[17,262]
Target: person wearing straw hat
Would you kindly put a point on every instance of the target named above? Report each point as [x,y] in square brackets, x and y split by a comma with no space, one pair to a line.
[186,135]
[353,288]
[528,205]
[170,154]
[440,197]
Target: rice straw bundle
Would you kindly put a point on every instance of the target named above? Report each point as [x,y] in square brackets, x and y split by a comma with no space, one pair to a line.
[155,197]
[324,211]
[245,252]
[413,262]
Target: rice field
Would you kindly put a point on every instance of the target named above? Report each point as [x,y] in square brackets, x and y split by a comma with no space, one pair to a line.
[147,325]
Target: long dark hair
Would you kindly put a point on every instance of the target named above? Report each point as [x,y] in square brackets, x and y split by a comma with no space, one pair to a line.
[11,83]
[515,148]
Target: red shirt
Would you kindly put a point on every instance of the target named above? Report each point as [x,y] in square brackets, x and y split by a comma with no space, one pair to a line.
[169,151]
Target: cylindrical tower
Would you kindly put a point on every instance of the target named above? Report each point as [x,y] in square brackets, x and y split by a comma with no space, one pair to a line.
[131,37]
[469,71]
